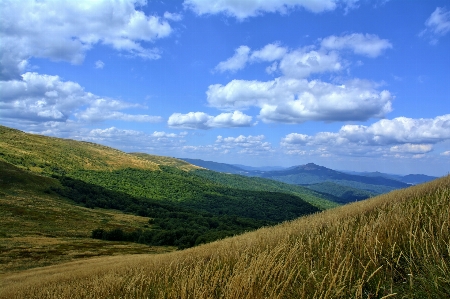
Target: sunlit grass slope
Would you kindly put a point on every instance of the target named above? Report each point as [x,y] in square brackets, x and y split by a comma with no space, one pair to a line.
[53,155]
[39,228]
[167,161]
[186,209]
[94,163]
[392,246]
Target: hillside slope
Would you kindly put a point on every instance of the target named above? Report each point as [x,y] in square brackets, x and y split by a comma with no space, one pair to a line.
[391,246]
[39,228]
[314,174]
[186,209]
[50,155]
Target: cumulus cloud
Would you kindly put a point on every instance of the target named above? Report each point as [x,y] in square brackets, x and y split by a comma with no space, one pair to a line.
[250,8]
[201,120]
[446,153]
[437,25]
[236,62]
[107,109]
[291,98]
[412,148]
[269,52]
[173,16]
[66,30]
[303,62]
[132,140]
[298,100]
[42,98]
[252,145]
[396,136]
[299,63]
[363,44]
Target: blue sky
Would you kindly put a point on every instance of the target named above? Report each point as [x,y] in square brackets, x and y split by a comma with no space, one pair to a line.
[348,84]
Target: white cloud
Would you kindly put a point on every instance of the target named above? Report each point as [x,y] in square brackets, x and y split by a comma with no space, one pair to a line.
[201,120]
[173,16]
[42,98]
[252,145]
[236,62]
[298,100]
[191,120]
[226,120]
[249,8]
[272,68]
[302,63]
[398,136]
[446,153]
[299,63]
[131,140]
[269,52]
[412,148]
[65,30]
[296,138]
[104,109]
[437,25]
[99,64]
[439,21]
[363,44]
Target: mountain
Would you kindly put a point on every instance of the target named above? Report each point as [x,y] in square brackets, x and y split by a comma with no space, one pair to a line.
[314,174]
[184,208]
[412,179]
[340,187]
[417,178]
[260,169]
[215,166]
[342,194]
[391,245]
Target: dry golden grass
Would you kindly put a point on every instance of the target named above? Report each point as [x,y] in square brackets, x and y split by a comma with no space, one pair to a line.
[393,246]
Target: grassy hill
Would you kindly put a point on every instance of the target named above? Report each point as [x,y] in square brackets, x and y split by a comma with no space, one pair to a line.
[215,166]
[39,228]
[49,155]
[321,200]
[184,209]
[391,246]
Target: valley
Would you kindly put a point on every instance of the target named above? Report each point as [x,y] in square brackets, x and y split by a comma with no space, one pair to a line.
[178,230]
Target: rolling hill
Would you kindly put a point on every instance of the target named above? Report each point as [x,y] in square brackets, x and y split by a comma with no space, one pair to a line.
[336,186]
[185,208]
[412,179]
[391,246]
[39,228]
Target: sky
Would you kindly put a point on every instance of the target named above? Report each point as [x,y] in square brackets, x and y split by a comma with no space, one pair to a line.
[348,84]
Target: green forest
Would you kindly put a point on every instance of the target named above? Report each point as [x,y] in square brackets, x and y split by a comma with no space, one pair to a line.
[186,218]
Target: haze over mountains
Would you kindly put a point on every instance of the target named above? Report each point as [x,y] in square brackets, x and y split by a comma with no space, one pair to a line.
[346,186]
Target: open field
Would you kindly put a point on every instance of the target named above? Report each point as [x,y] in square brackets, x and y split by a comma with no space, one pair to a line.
[392,246]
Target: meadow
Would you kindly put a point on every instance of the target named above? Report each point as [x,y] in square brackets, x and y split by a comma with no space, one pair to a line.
[396,245]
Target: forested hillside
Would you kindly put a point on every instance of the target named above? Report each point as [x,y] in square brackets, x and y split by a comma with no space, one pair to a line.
[184,208]
[391,246]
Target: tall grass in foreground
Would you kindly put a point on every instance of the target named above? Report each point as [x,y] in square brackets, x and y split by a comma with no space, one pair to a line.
[393,246]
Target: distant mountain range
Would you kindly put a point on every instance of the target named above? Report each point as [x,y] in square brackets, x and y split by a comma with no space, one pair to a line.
[413,179]
[344,186]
